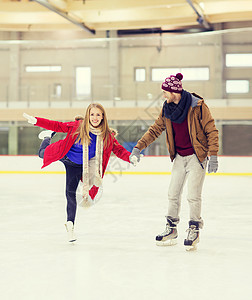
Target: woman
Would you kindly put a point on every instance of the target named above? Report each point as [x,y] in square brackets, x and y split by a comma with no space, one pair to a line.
[85,152]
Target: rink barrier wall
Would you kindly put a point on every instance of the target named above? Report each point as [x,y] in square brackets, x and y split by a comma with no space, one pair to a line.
[149,165]
[146,112]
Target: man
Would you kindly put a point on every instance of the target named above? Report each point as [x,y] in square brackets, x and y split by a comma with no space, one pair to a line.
[190,135]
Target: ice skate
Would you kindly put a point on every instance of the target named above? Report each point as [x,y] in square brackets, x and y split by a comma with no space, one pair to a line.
[46,134]
[70,230]
[193,236]
[168,237]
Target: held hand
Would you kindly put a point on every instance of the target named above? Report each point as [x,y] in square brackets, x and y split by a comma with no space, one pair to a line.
[135,156]
[213,164]
[32,120]
[133,160]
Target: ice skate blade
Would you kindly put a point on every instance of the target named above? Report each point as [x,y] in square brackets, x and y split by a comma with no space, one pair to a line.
[166,243]
[72,241]
[191,248]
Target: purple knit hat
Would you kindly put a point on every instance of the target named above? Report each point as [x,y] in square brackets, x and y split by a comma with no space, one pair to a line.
[173,84]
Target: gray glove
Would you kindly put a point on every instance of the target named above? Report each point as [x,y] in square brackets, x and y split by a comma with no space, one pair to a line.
[135,156]
[213,164]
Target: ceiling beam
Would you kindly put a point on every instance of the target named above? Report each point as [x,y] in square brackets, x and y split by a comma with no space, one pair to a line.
[134,4]
[225,7]
[38,27]
[21,7]
[60,4]
[122,4]
[64,15]
[168,23]
[200,16]
[230,17]
[102,15]
[47,17]
[129,15]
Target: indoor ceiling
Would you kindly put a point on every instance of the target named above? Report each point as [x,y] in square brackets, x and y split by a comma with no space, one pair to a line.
[103,15]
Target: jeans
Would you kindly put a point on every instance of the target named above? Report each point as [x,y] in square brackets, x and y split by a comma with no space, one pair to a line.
[73,177]
[186,168]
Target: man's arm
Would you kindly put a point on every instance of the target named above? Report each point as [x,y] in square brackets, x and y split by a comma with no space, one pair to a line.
[210,130]
[149,137]
[152,133]
[212,136]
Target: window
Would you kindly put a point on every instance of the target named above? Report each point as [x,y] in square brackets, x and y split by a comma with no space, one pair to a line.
[83,81]
[237,86]
[239,60]
[197,73]
[4,145]
[42,69]
[140,74]
[57,90]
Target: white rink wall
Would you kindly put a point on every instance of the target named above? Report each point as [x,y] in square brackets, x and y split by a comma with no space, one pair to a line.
[228,165]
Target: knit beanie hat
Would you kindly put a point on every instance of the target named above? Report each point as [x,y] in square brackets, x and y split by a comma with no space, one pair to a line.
[173,84]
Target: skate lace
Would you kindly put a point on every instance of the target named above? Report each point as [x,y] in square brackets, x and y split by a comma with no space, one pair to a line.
[192,233]
[168,230]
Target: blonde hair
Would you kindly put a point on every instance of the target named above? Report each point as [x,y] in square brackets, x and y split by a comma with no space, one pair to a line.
[82,131]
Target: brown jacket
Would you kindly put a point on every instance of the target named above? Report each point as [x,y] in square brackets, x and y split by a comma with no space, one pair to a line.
[202,131]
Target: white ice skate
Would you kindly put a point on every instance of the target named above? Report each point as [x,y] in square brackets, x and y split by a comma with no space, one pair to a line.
[70,230]
[192,238]
[46,134]
[169,236]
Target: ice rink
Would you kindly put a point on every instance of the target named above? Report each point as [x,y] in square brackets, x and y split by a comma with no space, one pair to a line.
[115,256]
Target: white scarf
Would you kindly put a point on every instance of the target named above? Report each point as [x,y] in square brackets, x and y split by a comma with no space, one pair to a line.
[98,165]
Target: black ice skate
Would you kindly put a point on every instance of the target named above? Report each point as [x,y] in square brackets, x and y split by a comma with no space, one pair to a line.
[193,236]
[168,237]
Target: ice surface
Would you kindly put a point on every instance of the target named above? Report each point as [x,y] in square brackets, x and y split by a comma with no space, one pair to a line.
[115,256]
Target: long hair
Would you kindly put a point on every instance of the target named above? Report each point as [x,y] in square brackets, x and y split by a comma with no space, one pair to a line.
[82,131]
